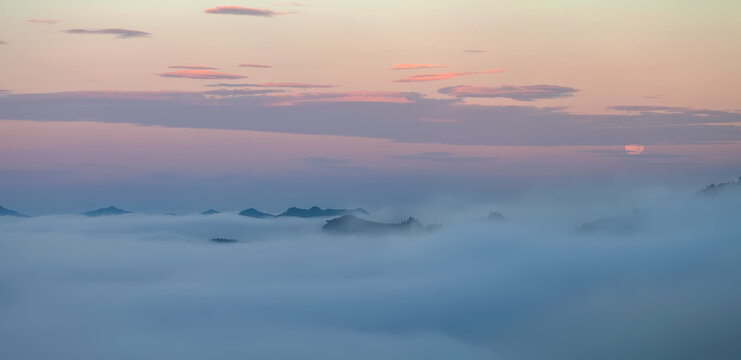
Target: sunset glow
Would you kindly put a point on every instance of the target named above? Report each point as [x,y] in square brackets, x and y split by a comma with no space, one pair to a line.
[365,180]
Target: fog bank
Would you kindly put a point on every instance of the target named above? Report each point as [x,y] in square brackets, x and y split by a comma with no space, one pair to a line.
[531,287]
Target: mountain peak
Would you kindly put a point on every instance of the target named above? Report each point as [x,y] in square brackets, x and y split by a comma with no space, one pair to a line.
[109,211]
[8,212]
[257,214]
[351,224]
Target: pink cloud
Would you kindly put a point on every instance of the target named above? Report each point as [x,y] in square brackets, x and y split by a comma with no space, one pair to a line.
[521,93]
[200,74]
[241,92]
[444,76]
[293,85]
[275,84]
[192,67]
[474,51]
[42,21]
[255,65]
[241,10]
[2,42]
[404,66]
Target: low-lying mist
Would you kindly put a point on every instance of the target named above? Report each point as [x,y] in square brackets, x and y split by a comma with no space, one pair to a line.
[533,286]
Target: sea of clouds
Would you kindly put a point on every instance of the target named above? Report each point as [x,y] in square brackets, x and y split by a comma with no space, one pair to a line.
[532,287]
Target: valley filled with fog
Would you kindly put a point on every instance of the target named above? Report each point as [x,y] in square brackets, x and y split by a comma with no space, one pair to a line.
[653,275]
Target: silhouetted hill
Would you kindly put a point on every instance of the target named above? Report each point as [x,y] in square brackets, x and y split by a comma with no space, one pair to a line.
[350,224]
[210,212]
[257,214]
[8,212]
[224,240]
[109,211]
[316,211]
[495,216]
[713,189]
[617,225]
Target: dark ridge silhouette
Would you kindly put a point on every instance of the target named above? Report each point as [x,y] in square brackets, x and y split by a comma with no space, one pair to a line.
[109,211]
[224,240]
[8,212]
[316,211]
[495,216]
[351,224]
[714,189]
[257,214]
[618,225]
[210,212]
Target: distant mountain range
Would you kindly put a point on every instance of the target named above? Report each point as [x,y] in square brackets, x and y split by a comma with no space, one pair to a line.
[350,224]
[109,211]
[312,212]
[620,224]
[713,189]
[8,212]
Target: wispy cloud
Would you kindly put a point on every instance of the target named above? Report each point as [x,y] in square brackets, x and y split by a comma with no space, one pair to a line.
[634,151]
[384,115]
[521,93]
[4,92]
[200,74]
[2,42]
[346,97]
[241,10]
[663,110]
[275,84]
[445,76]
[437,156]
[242,92]
[405,66]
[255,65]
[474,51]
[42,21]
[192,67]
[119,95]
[121,33]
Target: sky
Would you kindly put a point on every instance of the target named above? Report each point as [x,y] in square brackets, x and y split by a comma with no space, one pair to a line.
[185,105]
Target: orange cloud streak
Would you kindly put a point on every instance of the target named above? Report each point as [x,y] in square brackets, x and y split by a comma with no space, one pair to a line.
[192,67]
[255,65]
[200,74]
[444,76]
[404,66]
